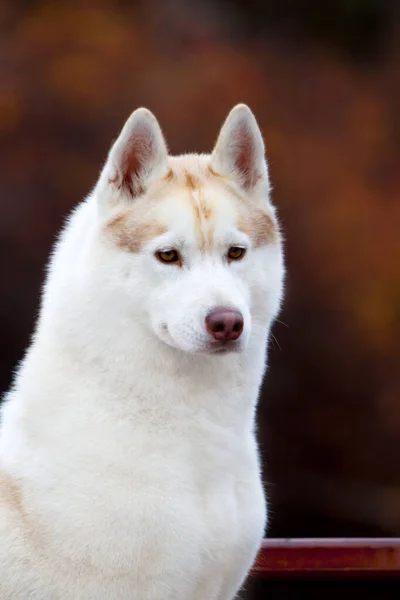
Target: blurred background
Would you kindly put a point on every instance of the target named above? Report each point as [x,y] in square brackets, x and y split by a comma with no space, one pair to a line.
[323,79]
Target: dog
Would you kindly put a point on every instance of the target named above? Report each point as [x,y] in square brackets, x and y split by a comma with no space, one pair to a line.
[129,467]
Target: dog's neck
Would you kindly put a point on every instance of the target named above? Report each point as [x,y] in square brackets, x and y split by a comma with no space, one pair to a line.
[122,364]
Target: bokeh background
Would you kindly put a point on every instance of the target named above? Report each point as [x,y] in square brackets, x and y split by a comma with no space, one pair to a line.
[323,78]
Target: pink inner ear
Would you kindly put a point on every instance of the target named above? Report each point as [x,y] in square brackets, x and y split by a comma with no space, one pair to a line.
[244,156]
[136,160]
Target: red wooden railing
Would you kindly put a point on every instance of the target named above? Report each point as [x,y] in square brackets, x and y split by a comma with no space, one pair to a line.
[330,558]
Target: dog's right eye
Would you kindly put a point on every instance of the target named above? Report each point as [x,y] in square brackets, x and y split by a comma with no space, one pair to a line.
[168,256]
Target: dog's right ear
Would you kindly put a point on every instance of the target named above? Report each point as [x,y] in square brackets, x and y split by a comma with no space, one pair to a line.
[139,155]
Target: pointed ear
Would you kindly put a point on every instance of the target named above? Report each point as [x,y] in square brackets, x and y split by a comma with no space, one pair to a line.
[138,154]
[239,151]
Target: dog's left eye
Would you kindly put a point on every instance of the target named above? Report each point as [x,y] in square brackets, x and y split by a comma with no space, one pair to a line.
[168,256]
[236,253]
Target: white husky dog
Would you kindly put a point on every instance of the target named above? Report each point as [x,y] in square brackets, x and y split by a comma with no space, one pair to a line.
[129,465]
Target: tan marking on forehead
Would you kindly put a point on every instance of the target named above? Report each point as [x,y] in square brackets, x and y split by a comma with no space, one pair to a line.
[192,181]
[206,210]
[258,225]
[213,172]
[202,214]
[199,221]
[202,210]
[227,184]
[234,192]
[132,234]
[169,176]
[197,212]
[210,235]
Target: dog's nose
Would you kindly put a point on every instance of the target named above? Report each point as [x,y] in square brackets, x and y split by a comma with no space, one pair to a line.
[224,324]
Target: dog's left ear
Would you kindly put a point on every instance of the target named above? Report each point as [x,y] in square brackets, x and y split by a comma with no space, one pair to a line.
[138,155]
[239,151]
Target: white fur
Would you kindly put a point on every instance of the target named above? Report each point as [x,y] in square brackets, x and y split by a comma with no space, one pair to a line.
[130,445]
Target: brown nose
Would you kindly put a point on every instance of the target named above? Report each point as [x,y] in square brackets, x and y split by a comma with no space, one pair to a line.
[224,324]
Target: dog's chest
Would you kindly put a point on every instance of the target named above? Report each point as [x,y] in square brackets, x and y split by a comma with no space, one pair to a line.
[184,521]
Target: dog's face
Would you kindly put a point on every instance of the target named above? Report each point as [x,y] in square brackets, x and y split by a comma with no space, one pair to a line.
[195,246]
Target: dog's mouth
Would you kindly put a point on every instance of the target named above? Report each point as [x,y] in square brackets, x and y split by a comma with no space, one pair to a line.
[223,347]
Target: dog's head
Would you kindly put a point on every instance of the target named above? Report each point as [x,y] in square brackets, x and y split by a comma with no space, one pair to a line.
[192,241]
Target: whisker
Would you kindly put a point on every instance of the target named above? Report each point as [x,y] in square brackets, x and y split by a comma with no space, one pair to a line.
[282,323]
[277,343]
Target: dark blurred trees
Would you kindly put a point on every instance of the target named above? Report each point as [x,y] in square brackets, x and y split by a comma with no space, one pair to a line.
[70,75]
[356,29]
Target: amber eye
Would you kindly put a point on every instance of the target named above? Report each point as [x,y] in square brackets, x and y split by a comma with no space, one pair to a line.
[168,256]
[236,253]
